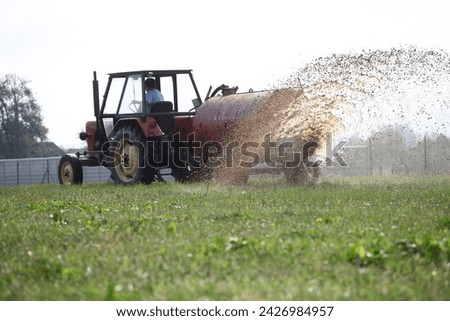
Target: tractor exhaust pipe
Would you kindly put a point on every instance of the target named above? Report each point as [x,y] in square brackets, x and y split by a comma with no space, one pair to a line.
[96,95]
[84,135]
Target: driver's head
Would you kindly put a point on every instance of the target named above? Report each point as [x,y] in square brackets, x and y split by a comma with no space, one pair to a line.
[150,83]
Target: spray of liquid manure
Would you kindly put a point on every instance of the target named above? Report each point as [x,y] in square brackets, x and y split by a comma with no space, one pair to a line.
[384,88]
[354,94]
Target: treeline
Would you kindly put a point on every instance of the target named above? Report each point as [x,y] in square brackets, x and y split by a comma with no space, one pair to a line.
[22,133]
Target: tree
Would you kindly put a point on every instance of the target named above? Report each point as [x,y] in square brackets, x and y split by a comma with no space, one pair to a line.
[21,128]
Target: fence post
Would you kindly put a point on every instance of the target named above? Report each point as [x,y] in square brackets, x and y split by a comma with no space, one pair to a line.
[48,173]
[17,172]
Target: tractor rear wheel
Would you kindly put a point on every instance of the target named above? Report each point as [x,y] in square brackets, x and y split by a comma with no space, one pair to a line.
[70,170]
[129,155]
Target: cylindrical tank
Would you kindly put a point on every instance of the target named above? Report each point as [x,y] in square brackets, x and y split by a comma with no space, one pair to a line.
[223,121]
[215,118]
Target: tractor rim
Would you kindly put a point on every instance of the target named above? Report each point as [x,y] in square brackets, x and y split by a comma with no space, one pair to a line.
[67,172]
[126,161]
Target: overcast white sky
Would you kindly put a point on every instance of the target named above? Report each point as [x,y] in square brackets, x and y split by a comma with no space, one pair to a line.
[56,44]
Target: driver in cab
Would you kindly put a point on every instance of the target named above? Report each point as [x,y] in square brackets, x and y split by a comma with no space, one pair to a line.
[153,95]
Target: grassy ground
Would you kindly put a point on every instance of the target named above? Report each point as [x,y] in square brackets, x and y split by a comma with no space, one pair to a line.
[344,239]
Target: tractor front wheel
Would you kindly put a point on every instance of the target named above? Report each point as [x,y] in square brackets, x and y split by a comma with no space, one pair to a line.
[70,170]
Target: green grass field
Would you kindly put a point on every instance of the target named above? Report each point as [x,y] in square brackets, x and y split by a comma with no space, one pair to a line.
[369,238]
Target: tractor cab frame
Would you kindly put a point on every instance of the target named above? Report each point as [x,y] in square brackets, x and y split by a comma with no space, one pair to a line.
[135,139]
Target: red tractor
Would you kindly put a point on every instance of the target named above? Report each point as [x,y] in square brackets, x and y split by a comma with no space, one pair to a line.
[135,140]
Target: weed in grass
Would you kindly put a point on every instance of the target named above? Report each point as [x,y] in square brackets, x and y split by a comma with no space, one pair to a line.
[444,223]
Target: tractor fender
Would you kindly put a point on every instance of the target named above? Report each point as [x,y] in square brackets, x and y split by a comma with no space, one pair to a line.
[148,125]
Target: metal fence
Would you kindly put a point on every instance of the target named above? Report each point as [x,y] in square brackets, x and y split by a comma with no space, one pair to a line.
[393,157]
[372,157]
[28,171]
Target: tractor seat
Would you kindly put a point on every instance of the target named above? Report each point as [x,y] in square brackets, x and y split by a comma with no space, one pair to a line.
[165,122]
[160,107]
